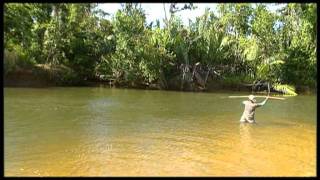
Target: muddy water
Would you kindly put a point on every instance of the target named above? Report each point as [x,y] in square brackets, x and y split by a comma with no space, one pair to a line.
[118,132]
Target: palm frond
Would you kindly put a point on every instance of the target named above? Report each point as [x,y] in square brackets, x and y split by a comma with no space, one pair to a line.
[285,89]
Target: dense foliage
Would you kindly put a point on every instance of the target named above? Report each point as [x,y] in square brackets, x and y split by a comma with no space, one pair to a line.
[237,43]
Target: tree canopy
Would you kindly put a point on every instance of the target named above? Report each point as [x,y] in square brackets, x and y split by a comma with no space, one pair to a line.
[239,41]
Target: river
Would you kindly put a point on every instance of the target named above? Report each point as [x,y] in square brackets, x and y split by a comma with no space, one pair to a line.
[95,131]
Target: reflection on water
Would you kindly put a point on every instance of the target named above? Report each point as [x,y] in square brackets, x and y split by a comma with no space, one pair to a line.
[112,132]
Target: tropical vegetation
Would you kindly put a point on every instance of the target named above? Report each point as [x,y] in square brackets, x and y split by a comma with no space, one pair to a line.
[237,43]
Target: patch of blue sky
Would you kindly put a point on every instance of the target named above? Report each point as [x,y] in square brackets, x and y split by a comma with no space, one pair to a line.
[156,11]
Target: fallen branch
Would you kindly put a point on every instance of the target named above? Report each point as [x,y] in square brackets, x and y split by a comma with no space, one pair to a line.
[270,97]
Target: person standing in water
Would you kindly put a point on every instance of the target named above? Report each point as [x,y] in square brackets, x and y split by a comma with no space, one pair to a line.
[249,109]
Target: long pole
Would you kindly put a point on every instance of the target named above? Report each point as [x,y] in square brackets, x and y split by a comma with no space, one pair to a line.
[278,98]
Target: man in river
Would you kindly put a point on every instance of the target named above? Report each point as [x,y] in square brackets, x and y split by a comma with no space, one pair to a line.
[250,107]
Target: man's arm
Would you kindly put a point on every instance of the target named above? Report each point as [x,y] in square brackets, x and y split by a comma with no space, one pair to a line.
[263,102]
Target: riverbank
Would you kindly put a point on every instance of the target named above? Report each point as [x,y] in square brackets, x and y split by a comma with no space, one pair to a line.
[42,77]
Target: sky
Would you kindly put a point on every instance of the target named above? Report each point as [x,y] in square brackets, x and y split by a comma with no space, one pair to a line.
[155,11]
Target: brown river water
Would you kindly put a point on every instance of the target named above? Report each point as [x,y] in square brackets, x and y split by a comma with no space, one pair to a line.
[95,131]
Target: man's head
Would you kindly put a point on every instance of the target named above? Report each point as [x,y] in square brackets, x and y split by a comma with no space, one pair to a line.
[252,98]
